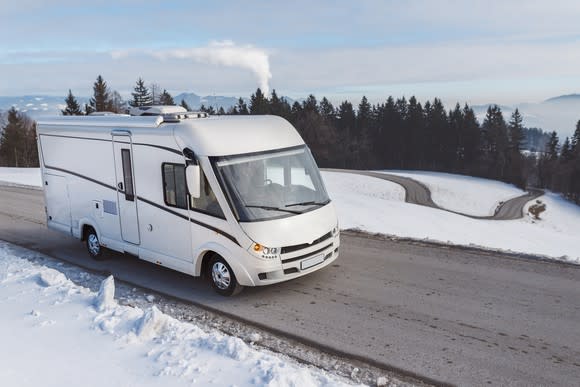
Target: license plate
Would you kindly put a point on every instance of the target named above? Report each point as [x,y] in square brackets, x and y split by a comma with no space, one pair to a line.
[311,262]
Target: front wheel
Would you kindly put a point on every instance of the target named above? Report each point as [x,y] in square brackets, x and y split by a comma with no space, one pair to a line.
[93,245]
[222,277]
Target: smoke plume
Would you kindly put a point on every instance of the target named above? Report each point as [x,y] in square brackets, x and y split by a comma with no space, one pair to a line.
[225,53]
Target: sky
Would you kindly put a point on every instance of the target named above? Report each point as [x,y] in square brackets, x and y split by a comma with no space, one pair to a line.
[467,51]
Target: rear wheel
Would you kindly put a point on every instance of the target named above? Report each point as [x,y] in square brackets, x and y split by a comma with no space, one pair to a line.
[93,244]
[222,277]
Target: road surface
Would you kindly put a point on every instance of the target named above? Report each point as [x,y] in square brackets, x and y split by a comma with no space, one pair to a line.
[458,316]
[418,193]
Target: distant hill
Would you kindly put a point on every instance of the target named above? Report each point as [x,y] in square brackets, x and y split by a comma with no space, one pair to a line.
[565,98]
[558,114]
[50,105]
[37,105]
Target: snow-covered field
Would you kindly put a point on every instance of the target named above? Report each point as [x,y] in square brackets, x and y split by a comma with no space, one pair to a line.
[376,206]
[20,176]
[465,194]
[56,333]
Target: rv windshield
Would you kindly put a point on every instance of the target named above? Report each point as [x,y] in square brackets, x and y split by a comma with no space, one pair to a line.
[272,184]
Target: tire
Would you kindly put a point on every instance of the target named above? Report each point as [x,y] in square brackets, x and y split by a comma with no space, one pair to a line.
[93,244]
[222,277]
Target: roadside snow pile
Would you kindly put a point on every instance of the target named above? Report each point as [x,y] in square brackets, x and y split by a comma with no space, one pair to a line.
[106,297]
[361,206]
[21,176]
[71,334]
[464,194]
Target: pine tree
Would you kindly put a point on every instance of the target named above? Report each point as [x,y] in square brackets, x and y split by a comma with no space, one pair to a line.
[101,101]
[516,131]
[259,103]
[363,117]
[242,108]
[326,109]
[496,142]
[72,106]
[166,98]
[185,105]
[576,140]
[279,106]
[18,141]
[566,151]
[141,95]
[88,109]
[552,147]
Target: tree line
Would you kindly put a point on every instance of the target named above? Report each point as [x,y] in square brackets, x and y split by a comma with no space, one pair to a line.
[395,134]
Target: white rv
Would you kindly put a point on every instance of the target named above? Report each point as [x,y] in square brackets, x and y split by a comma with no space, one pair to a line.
[237,198]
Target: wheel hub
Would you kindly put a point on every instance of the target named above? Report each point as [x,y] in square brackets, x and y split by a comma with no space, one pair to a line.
[94,246]
[221,275]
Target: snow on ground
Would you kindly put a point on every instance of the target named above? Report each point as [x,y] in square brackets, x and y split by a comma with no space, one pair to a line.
[21,176]
[367,207]
[465,194]
[55,333]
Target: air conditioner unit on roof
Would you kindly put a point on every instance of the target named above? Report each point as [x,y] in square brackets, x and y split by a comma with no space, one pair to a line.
[156,110]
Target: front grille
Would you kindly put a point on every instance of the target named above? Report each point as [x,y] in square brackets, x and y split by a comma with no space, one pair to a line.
[310,254]
[289,249]
[291,270]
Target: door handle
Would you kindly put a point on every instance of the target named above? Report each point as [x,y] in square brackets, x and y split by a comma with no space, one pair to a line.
[120,186]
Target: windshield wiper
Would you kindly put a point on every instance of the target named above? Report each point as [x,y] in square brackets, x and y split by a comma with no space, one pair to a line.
[274,209]
[307,203]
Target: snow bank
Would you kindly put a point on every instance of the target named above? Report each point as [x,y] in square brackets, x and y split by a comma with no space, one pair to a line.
[106,297]
[50,277]
[21,176]
[70,334]
[365,207]
[465,194]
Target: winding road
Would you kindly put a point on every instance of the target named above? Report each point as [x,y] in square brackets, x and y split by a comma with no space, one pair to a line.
[418,193]
[446,314]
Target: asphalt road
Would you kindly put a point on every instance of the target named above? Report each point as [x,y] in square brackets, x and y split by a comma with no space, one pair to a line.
[458,316]
[418,193]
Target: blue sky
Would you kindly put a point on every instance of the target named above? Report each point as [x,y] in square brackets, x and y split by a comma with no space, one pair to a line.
[474,51]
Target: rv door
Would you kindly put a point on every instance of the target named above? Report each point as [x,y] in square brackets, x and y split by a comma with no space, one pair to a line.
[125,175]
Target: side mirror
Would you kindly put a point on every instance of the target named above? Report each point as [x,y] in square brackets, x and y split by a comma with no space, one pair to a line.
[193,179]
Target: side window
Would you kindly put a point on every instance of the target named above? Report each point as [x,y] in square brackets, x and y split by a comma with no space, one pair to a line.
[207,202]
[174,187]
[175,191]
[127,174]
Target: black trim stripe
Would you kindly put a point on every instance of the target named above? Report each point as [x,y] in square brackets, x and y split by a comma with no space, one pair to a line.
[82,177]
[178,152]
[205,225]
[122,142]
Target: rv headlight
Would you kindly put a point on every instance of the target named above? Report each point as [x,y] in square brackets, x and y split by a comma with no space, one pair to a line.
[265,252]
[335,230]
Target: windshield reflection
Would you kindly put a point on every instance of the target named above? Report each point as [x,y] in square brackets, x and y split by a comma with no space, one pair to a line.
[271,184]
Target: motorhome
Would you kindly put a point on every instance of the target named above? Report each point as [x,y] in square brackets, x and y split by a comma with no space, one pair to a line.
[238,199]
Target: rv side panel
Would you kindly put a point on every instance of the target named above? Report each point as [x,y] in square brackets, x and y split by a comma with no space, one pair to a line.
[90,173]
